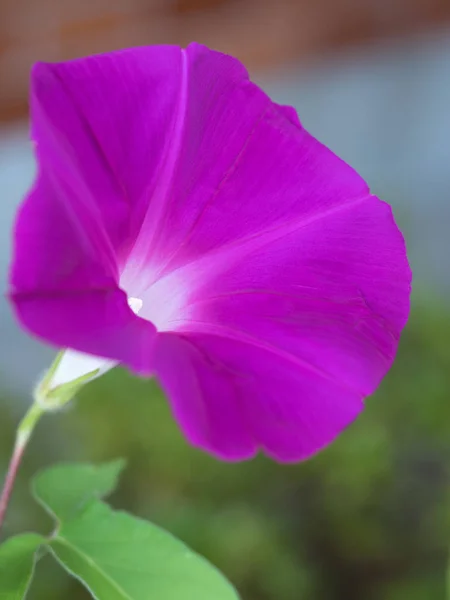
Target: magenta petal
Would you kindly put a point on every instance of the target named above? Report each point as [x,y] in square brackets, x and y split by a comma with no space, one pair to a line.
[305,321]
[56,247]
[244,164]
[205,400]
[97,322]
[109,118]
[234,398]
[333,292]
[100,128]
[63,285]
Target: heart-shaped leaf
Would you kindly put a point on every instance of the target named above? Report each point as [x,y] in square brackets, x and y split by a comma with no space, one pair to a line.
[120,557]
[64,489]
[115,555]
[17,558]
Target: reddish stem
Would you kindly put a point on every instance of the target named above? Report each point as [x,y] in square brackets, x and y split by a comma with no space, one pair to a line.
[10,478]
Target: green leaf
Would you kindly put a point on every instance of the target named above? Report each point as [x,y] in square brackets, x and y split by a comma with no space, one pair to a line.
[117,556]
[64,489]
[17,558]
[120,557]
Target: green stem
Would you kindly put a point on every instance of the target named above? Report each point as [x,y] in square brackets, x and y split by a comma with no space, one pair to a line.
[47,398]
[28,423]
[23,435]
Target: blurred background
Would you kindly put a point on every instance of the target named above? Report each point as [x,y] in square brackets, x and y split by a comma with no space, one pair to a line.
[369,518]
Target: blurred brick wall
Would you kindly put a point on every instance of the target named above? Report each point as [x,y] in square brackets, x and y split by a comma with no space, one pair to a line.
[259,32]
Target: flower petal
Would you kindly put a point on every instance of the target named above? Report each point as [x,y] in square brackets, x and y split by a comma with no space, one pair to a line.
[109,118]
[97,322]
[304,323]
[55,246]
[63,286]
[74,229]
[204,398]
[245,165]
[233,398]
[334,293]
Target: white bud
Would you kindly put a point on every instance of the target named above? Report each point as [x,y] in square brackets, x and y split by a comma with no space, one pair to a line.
[70,371]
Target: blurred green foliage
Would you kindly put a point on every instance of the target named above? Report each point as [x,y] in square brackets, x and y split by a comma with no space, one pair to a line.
[367,519]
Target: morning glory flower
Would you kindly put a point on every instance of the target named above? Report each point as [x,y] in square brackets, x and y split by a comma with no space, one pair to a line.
[184,225]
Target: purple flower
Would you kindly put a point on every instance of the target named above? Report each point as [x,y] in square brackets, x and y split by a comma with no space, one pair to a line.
[183,224]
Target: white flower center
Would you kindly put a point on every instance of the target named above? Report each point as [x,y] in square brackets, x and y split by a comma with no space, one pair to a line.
[135,304]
